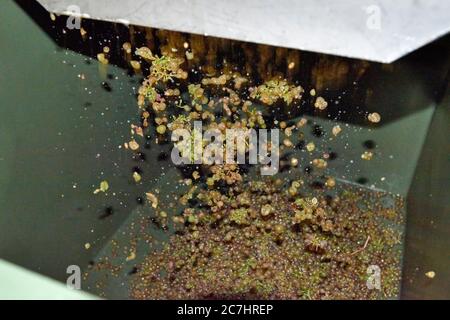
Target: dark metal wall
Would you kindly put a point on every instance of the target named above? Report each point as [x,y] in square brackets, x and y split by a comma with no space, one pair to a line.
[428,220]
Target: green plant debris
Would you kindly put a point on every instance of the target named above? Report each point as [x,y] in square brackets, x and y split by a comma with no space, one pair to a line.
[104,186]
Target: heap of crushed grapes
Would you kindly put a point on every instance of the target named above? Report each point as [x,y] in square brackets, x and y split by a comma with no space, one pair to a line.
[257,241]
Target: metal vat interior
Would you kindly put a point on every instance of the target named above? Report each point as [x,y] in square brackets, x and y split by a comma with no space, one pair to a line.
[60,136]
